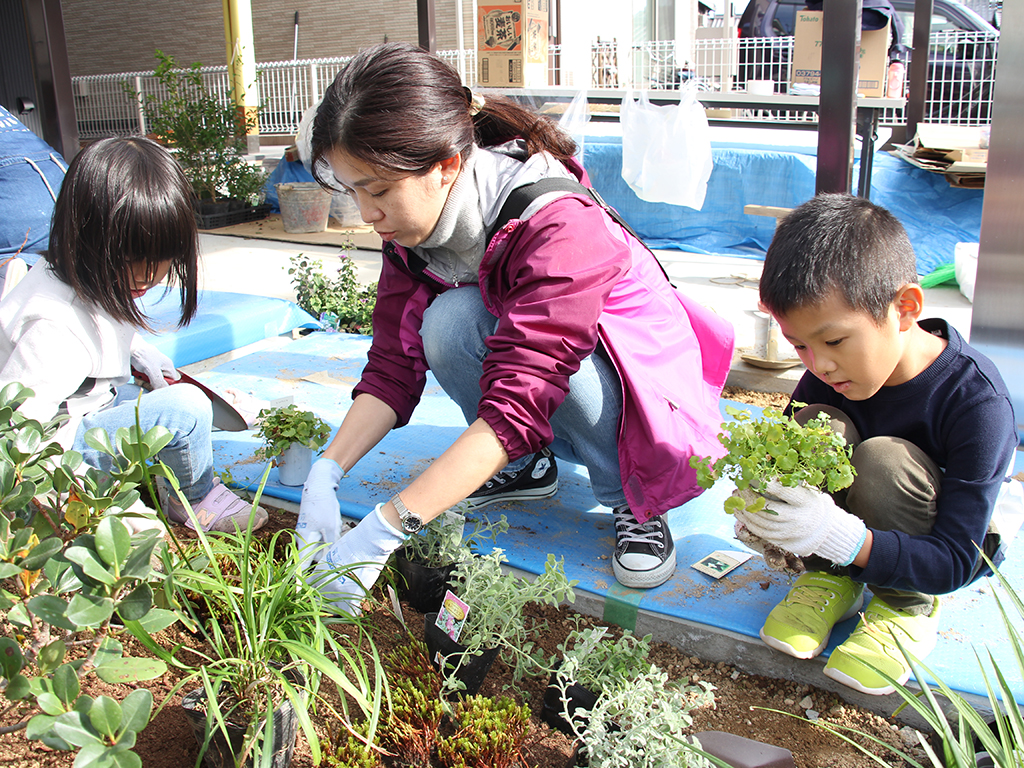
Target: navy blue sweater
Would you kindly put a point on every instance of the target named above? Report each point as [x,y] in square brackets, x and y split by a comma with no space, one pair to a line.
[958,411]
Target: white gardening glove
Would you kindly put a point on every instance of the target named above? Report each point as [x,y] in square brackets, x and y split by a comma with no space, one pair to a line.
[319,511]
[153,363]
[806,522]
[361,554]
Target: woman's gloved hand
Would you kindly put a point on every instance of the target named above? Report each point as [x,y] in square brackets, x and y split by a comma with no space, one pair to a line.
[319,510]
[350,566]
[152,363]
[806,521]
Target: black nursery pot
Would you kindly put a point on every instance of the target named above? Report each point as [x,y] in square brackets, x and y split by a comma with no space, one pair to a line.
[472,670]
[423,586]
[551,708]
[221,752]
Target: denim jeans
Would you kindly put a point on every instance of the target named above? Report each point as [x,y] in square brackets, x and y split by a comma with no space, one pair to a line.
[183,410]
[585,425]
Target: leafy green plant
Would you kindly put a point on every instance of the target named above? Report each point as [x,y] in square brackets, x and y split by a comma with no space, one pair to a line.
[490,734]
[260,619]
[600,663]
[206,133]
[496,600]
[72,571]
[339,303]
[644,724]
[776,448]
[441,542]
[280,427]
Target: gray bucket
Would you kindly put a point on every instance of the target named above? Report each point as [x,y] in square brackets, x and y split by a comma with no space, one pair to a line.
[305,206]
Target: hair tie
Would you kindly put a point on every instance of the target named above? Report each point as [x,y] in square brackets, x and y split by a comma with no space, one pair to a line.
[474,100]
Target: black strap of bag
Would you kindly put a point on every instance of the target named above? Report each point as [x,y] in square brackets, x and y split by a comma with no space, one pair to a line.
[521,197]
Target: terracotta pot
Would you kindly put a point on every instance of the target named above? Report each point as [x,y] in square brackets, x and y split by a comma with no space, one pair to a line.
[423,586]
[471,671]
[220,753]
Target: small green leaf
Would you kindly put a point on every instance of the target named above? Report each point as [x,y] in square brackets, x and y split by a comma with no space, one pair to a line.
[158,620]
[90,610]
[42,552]
[136,604]
[105,716]
[91,564]
[135,710]
[18,688]
[98,439]
[51,704]
[50,609]
[40,728]
[51,656]
[131,670]
[65,685]
[75,728]
[11,659]
[113,541]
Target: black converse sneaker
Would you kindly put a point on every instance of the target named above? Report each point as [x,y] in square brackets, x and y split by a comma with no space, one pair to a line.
[537,480]
[645,555]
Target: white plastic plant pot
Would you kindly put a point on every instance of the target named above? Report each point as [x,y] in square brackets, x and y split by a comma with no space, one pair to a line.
[294,464]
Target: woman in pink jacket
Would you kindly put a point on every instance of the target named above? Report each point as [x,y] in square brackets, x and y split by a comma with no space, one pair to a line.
[554,329]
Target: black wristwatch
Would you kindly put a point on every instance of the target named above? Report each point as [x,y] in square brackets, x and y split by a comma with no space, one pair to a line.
[411,522]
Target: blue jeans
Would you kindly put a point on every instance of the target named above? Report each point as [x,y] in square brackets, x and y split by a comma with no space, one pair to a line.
[183,410]
[585,425]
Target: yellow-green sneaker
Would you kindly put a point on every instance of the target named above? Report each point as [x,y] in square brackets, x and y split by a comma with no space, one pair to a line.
[801,624]
[872,647]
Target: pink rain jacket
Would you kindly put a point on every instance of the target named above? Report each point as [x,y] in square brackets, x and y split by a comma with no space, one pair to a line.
[559,283]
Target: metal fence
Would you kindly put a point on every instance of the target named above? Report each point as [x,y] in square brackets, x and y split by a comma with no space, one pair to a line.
[961,74]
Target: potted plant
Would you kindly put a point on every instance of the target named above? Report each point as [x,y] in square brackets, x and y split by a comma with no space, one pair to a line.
[775,448]
[207,134]
[266,647]
[427,559]
[642,725]
[75,565]
[290,437]
[593,663]
[494,622]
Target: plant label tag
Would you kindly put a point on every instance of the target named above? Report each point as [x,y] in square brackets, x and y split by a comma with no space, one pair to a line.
[719,563]
[282,402]
[452,616]
[396,606]
[451,517]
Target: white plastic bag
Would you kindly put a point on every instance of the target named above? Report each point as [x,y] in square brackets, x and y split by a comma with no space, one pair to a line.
[666,151]
[574,122]
[965,267]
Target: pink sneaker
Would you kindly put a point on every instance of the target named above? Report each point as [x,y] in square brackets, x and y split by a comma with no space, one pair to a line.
[221,510]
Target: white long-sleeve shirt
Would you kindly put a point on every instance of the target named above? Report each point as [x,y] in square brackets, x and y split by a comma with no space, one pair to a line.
[70,352]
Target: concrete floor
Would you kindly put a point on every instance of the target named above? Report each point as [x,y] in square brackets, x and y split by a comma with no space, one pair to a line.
[726,284]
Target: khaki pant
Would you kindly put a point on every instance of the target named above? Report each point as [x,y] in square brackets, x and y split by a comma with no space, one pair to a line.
[896,489]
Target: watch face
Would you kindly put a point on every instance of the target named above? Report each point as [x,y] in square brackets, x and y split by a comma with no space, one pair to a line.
[411,523]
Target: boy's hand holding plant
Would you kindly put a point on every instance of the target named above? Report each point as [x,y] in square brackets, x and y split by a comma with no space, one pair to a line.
[784,473]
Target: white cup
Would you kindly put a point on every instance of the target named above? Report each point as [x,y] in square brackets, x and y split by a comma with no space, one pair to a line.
[761,87]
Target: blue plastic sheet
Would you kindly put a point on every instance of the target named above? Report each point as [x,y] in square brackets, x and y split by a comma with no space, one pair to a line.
[935,215]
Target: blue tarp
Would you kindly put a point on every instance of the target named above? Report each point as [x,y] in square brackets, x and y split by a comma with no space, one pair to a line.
[935,215]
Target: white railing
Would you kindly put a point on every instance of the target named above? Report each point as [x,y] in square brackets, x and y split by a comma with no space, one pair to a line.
[961,75]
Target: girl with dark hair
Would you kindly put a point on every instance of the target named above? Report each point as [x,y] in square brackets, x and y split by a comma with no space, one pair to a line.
[555,331]
[122,223]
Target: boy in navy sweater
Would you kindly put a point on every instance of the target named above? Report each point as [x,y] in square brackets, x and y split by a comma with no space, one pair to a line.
[933,432]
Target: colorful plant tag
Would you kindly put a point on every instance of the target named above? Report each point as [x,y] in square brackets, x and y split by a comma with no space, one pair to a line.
[719,563]
[452,616]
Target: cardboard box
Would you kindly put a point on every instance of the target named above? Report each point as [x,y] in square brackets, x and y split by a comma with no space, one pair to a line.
[874,54]
[512,44]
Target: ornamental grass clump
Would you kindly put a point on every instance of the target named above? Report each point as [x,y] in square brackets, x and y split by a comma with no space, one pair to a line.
[776,448]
